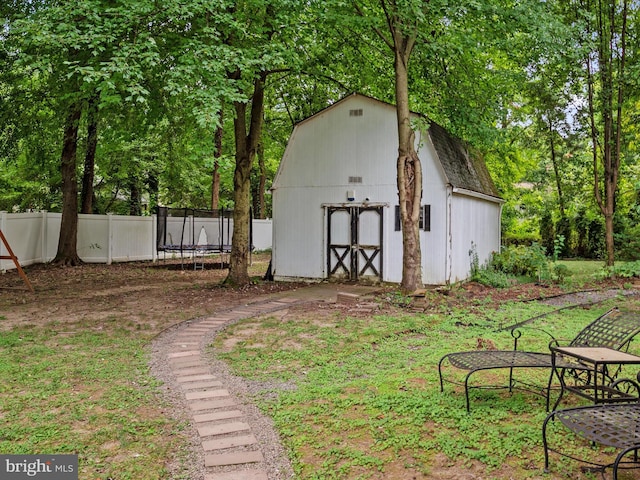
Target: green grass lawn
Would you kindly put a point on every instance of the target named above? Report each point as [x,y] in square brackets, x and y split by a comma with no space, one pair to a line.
[367,402]
[583,270]
[77,389]
[363,400]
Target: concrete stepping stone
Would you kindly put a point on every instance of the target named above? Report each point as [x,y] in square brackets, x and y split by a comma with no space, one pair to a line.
[205,430]
[187,353]
[228,442]
[201,405]
[234,458]
[238,475]
[187,362]
[207,394]
[192,371]
[184,342]
[201,385]
[220,415]
[194,378]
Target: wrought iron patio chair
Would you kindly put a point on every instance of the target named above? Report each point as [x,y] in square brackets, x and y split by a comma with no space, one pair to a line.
[611,425]
[614,329]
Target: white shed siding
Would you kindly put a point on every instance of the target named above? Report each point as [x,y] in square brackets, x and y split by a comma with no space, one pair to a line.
[392,246]
[434,246]
[297,249]
[476,226]
[335,146]
[320,157]
[335,152]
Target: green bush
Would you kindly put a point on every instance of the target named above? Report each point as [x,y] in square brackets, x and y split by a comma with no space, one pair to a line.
[560,272]
[622,270]
[487,274]
[522,261]
[627,243]
[518,261]
[492,278]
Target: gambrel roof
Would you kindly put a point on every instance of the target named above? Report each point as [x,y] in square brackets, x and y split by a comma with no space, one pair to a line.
[463,169]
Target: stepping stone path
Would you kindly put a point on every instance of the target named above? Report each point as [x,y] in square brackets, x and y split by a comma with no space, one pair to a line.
[231,450]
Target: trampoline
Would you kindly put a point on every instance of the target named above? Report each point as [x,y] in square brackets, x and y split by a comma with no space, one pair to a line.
[194,233]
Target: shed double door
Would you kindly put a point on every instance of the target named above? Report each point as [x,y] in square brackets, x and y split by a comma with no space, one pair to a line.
[354,241]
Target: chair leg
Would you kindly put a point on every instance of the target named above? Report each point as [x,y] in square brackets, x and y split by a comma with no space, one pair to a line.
[560,376]
[545,443]
[549,389]
[511,380]
[621,455]
[440,372]
[466,391]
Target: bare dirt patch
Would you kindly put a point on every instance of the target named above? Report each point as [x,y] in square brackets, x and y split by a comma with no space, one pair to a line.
[150,296]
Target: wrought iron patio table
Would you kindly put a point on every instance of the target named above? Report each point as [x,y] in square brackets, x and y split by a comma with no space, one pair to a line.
[596,378]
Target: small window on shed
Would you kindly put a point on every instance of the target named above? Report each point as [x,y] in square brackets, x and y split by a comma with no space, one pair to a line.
[425,218]
[355,112]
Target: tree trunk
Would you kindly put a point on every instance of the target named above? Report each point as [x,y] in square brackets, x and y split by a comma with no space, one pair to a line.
[409,172]
[606,136]
[153,186]
[67,243]
[215,175]
[556,169]
[86,196]
[258,182]
[261,210]
[246,146]
[135,208]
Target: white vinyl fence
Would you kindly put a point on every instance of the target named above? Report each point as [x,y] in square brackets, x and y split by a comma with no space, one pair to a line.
[33,237]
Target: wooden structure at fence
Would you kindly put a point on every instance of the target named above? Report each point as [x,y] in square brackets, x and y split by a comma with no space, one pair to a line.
[11,256]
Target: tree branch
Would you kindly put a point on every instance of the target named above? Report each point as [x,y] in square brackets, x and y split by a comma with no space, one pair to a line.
[379,32]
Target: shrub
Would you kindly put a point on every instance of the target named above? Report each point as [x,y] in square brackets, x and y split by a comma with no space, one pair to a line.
[486,274]
[622,270]
[560,272]
[492,278]
[518,261]
[526,261]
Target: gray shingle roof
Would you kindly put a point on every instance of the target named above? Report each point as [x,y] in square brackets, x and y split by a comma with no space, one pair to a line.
[462,168]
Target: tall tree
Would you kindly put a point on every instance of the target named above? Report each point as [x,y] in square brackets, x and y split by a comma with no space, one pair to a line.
[404,23]
[67,251]
[81,48]
[607,24]
[403,26]
[267,49]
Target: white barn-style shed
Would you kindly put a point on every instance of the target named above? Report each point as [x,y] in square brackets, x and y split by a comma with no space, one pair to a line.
[335,200]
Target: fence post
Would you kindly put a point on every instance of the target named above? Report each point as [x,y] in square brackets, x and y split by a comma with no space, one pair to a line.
[109,238]
[154,237]
[43,237]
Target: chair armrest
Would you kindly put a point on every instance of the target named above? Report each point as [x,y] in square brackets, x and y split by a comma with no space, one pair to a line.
[558,342]
[517,332]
